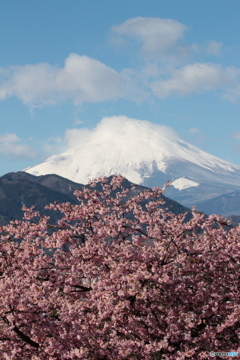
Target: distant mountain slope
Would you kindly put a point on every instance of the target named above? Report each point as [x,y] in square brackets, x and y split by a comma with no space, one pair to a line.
[146,154]
[20,188]
[226,205]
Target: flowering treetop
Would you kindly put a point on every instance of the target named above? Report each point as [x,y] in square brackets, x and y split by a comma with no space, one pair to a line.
[116,279]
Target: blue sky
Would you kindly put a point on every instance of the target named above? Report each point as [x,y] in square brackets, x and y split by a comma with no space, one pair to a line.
[64,65]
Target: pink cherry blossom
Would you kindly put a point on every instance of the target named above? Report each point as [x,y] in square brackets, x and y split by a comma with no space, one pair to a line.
[118,278]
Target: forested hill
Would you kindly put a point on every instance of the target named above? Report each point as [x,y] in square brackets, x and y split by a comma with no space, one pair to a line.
[19,189]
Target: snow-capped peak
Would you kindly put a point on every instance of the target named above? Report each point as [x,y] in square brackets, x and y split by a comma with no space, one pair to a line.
[123,145]
[143,152]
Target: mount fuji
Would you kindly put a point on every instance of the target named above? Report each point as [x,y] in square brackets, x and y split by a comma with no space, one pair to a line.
[146,154]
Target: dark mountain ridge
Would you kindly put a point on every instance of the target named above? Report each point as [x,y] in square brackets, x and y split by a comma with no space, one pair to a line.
[18,189]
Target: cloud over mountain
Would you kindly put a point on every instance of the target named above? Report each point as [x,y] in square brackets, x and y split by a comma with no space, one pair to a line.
[119,133]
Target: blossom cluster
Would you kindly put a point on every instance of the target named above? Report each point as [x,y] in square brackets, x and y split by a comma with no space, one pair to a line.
[118,278]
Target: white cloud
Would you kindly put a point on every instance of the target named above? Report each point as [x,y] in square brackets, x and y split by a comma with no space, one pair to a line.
[78,121]
[236,135]
[158,36]
[9,138]
[117,126]
[80,79]
[161,39]
[14,148]
[233,94]
[84,79]
[71,139]
[194,78]
[109,130]
[194,130]
[214,48]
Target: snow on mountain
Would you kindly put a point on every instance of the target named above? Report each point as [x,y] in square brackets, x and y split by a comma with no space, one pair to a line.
[183,183]
[144,153]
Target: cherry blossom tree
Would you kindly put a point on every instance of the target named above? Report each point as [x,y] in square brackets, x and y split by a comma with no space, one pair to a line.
[118,278]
